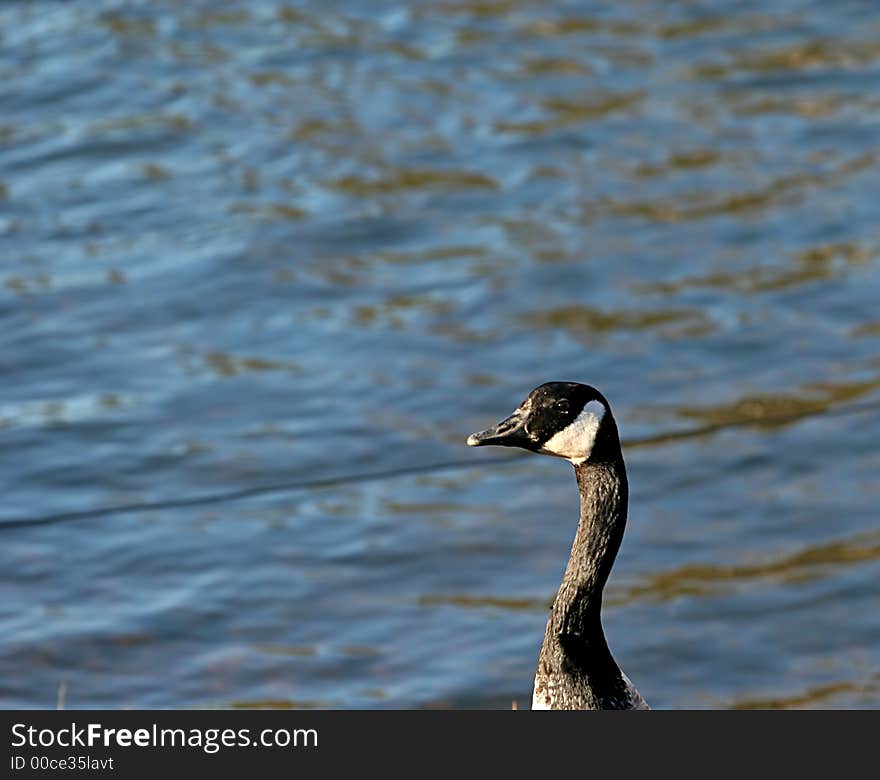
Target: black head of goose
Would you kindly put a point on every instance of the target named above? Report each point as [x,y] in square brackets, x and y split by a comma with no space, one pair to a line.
[569,420]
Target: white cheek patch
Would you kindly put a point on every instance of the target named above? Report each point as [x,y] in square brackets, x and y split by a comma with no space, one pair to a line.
[575,441]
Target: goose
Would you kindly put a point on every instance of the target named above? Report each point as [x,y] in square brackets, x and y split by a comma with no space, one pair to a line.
[576,670]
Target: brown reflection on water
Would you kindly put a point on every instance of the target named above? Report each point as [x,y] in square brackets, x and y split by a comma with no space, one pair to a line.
[810,564]
[397,310]
[585,321]
[570,111]
[769,412]
[811,697]
[680,161]
[280,704]
[816,105]
[871,328]
[268,210]
[695,580]
[467,601]
[786,189]
[293,650]
[582,24]
[417,257]
[227,365]
[809,55]
[402,179]
[826,261]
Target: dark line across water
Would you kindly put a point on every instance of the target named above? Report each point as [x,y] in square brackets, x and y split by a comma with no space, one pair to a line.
[449,465]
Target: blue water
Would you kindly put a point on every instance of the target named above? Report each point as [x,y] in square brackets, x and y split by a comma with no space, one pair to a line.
[261,244]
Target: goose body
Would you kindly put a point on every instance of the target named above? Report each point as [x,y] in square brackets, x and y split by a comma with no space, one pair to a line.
[576,670]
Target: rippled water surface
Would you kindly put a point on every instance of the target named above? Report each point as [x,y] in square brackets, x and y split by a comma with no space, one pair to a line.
[317,244]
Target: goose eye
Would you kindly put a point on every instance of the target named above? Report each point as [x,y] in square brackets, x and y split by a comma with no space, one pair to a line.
[562,405]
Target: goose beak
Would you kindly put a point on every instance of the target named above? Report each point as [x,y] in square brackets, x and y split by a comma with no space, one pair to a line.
[508,433]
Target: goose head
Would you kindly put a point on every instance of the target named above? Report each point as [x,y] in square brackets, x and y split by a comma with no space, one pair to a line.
[564,419]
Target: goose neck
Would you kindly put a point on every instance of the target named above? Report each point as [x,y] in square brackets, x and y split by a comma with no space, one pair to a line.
[603,505]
